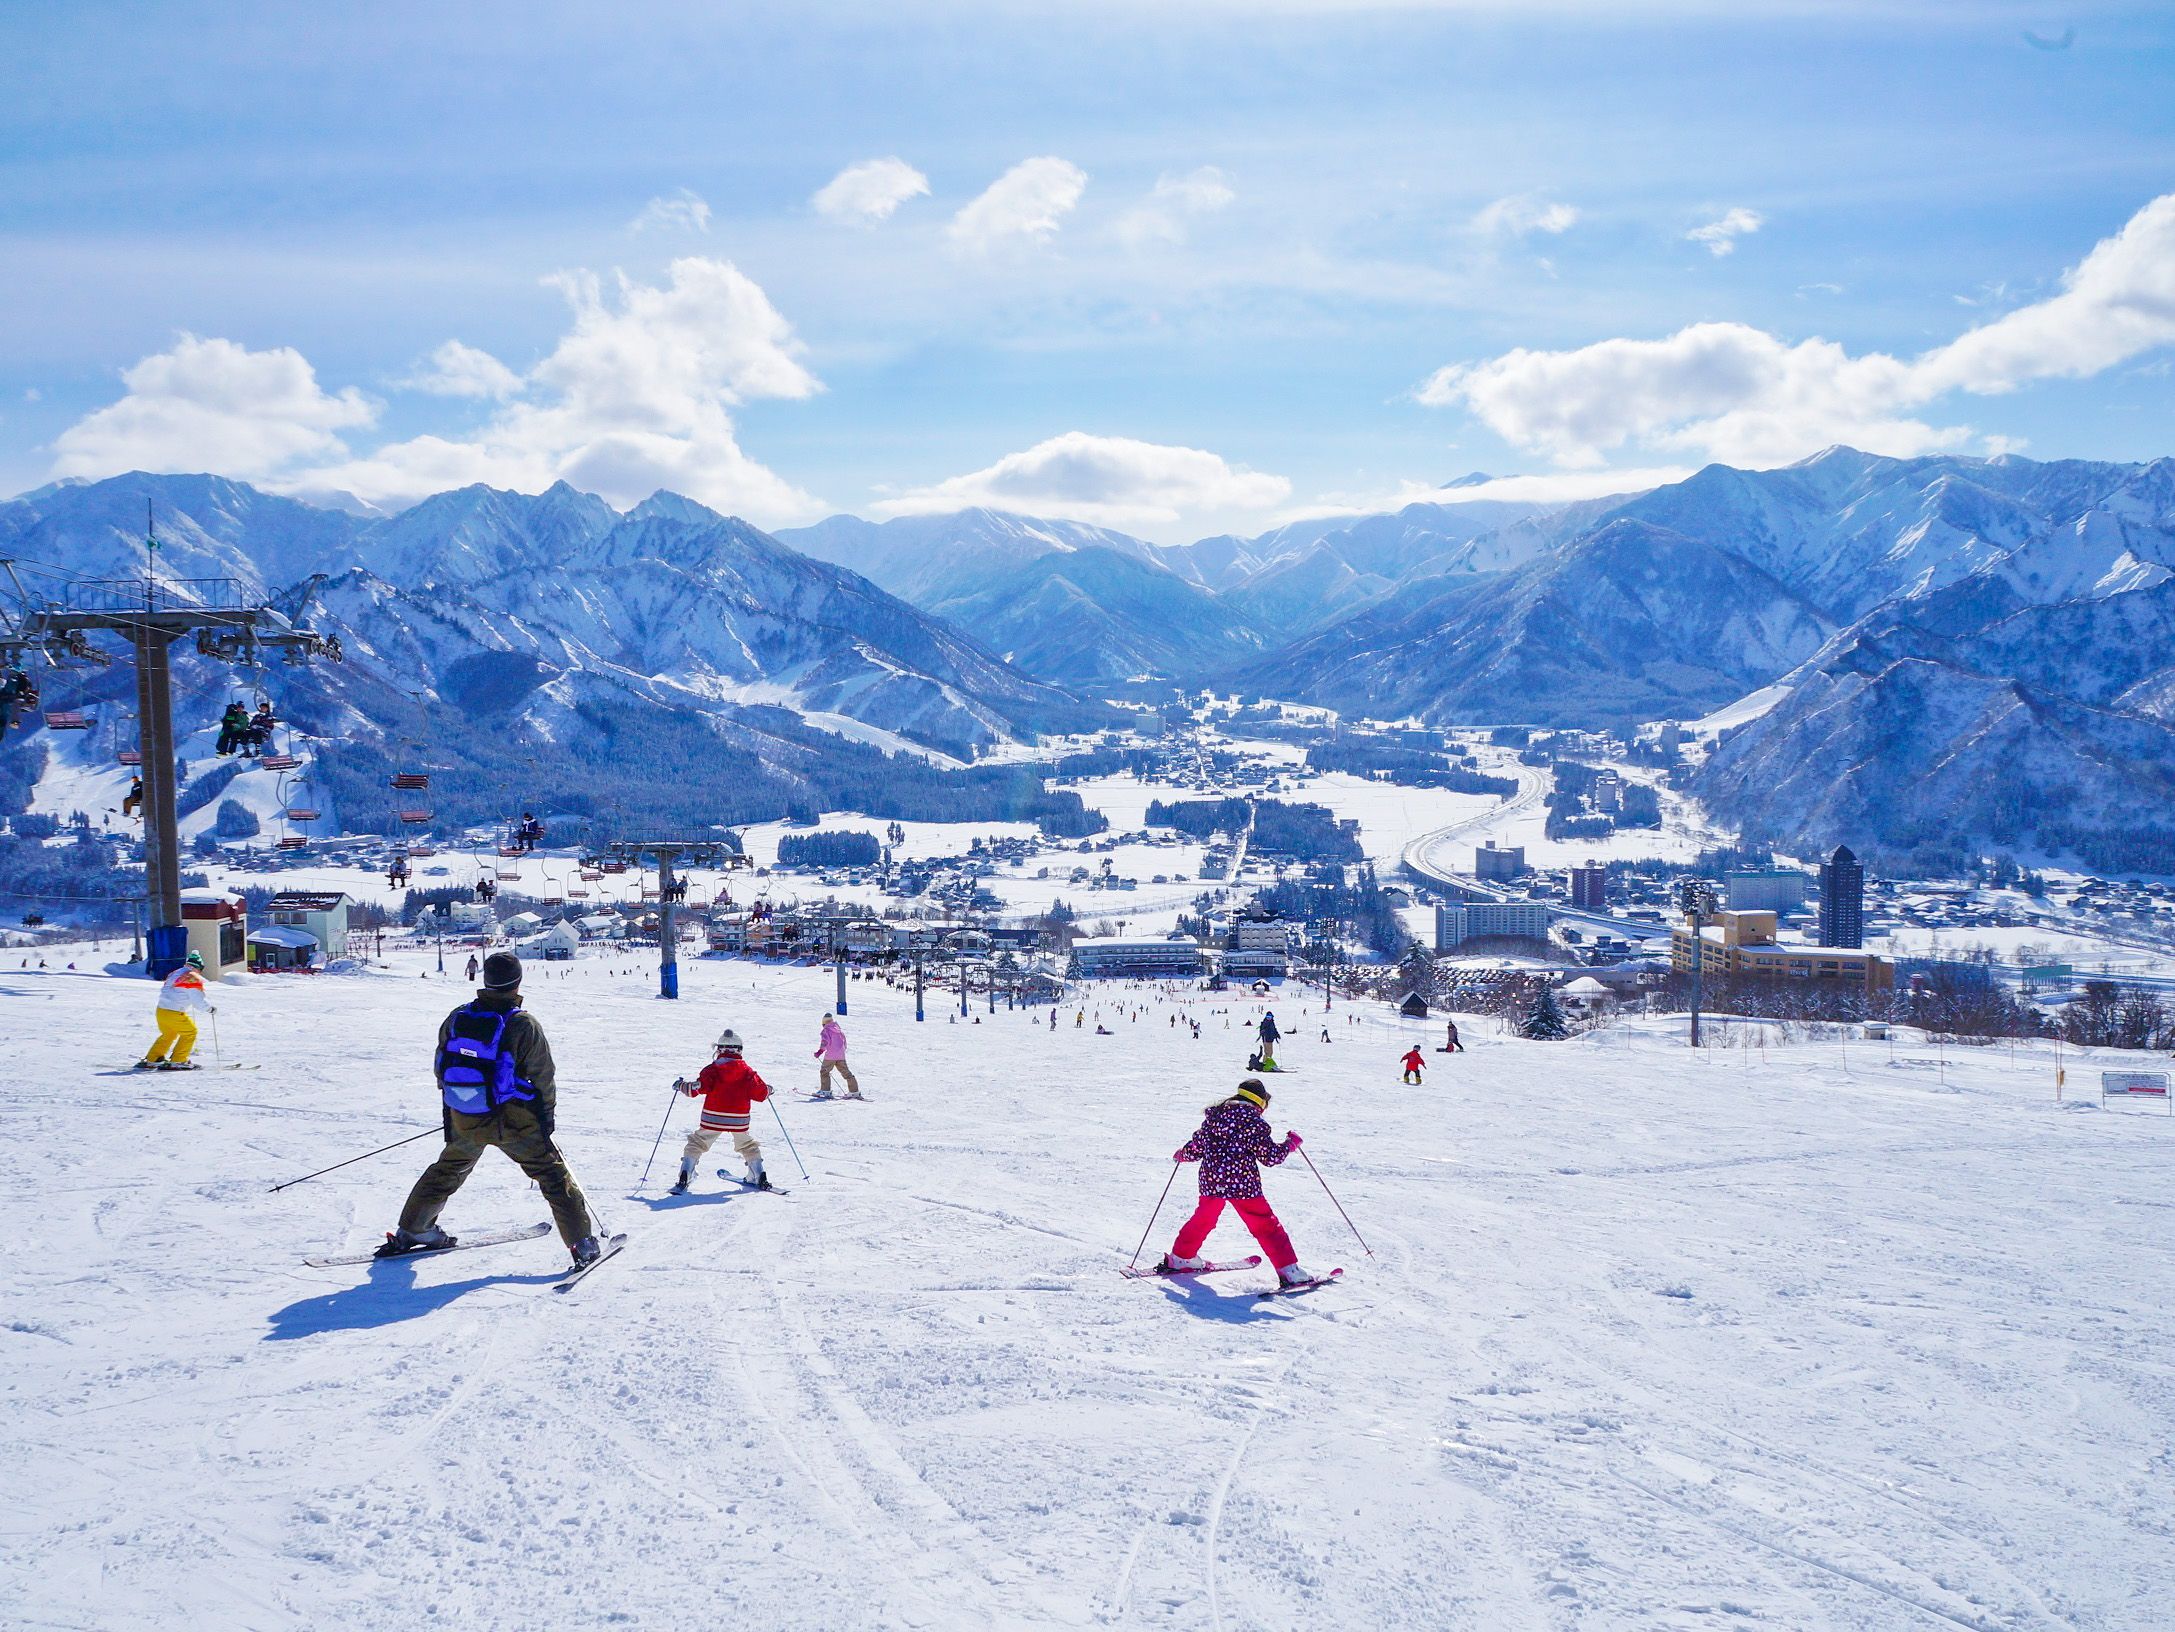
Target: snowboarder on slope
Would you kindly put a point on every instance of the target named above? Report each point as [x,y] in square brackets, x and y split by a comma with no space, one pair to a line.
[183,993]
[1233,1144]
[1450,1044]
[499,1087]
[730,1089]
[831,1050]
[1269,1034]
[1413,1061]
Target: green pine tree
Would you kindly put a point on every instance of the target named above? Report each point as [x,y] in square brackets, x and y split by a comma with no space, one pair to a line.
[1544,1021]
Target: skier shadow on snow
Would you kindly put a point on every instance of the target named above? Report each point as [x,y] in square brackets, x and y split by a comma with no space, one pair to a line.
[673,1204]
[388,1296]
[1200,1298]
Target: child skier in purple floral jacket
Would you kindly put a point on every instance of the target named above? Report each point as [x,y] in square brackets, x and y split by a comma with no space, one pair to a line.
[1233,1144]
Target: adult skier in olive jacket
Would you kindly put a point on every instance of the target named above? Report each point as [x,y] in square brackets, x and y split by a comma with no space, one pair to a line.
[500,1087]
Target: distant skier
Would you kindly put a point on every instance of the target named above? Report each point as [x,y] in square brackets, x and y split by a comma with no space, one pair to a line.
[180,999]
[730,1089]
[1413,1062]
[472,968]
[1269,1034]
[499,1087]
[831,1050]
[1450,1043]
[1233,1144]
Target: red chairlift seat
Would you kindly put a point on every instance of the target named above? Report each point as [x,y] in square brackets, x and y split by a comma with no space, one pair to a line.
[294,841]
[302,813]
[577,895]
[511,850]
[415,818]
[277,762]
[67,719]
[422,850]
[128,756]
[411,781]
[615,867]
[509,876]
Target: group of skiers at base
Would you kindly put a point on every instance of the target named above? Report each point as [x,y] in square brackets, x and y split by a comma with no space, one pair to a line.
[1233,1144]
[499,1088]
[181,999]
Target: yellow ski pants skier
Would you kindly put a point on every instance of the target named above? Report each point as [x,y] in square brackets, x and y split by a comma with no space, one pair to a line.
[177,1036]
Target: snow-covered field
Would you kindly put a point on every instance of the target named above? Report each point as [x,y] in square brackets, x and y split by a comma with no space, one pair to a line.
[1796,1338]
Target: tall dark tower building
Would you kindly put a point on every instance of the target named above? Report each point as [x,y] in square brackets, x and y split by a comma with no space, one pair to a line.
[1842,899]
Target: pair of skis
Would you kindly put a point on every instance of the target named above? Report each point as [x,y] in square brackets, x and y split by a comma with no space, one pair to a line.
[1253,1261]
[485,1238]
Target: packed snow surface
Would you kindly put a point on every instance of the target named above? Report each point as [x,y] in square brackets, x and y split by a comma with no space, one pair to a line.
[1790,1336]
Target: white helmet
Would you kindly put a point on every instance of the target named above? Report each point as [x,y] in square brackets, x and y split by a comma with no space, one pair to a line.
[729,1038]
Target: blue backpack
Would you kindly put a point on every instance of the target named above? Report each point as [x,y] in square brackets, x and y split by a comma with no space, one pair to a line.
[475,1067]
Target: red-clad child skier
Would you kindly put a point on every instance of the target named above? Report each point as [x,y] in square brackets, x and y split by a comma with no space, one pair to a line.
[1233,1144]
[1413,1062]
[729,1088]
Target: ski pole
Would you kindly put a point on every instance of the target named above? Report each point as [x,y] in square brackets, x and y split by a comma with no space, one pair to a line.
[1332,1195]
[1158,1213]
[352,1160]
[660,1139]
[218,1058]
[780,1115]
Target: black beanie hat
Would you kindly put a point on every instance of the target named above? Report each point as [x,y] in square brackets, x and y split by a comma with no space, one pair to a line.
[1255,1089]
[502,972]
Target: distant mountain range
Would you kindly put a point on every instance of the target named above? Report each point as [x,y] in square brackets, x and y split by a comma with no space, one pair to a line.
[1990,629]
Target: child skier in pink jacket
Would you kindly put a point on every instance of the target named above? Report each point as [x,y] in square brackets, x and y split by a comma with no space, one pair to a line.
[1233,1144]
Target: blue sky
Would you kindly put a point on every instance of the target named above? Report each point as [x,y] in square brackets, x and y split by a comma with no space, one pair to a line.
[1179,267]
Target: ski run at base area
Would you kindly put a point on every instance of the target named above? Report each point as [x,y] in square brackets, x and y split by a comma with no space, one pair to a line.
[1812,1335]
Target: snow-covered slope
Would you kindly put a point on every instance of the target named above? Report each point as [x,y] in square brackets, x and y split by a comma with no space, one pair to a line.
[1779,1337]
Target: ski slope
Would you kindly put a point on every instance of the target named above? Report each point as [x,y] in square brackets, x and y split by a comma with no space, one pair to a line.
[1773,1337]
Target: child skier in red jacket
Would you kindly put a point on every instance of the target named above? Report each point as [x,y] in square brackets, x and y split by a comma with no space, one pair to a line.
[1413,1061]
[729,1088]
[1233,1144]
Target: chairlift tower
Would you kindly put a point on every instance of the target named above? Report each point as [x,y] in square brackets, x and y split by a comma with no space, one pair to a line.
[151,613]
[668,853]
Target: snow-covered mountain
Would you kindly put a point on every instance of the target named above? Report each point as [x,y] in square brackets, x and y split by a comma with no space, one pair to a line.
[1069,603]
[480,598]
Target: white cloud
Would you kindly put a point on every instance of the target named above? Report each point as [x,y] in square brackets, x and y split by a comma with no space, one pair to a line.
[1739,394]
[683,212]
[213,405]
[455,370]
[1521,215]
[1720,236]
[1026,203]
[637,395]
[1112,481]
[864,194]
[1174,201]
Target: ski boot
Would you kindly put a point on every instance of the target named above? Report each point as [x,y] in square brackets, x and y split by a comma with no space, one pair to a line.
[146,1065]
[1180,1266]
[587,1251]
[687,1175]
[822,1093]
[428,1239]
[1294,1274]
[179,1065]
[757,1179]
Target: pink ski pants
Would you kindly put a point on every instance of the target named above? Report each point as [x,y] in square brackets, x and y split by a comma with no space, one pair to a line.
[1253,1211]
